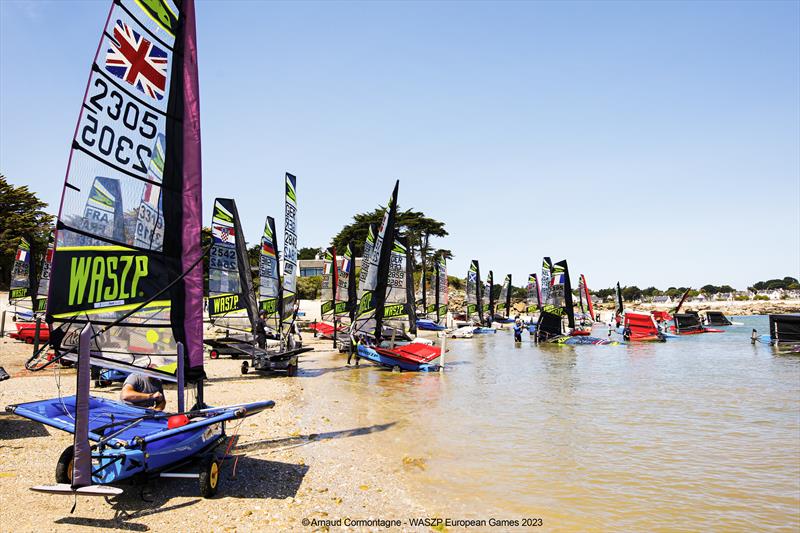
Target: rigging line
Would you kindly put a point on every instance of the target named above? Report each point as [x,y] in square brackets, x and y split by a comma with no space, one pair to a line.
[159,293]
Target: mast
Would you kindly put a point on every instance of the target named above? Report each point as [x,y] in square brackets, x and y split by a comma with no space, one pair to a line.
[411,308]
[680,303]
[490,284]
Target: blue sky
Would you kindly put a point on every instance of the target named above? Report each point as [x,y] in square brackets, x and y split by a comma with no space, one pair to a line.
[654,143]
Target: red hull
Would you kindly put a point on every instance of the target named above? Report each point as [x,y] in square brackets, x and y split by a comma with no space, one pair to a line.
[26,332]
[415,352]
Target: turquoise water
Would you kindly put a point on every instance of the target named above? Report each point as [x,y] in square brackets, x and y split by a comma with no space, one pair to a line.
[700,432]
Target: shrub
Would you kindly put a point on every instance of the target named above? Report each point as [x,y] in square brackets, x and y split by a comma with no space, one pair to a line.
[308,288]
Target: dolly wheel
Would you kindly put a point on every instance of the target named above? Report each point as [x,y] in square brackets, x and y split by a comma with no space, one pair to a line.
[209,478]
[64,466]
[28,340]
[245,367]
[395,368]
[214,354]
[291,370]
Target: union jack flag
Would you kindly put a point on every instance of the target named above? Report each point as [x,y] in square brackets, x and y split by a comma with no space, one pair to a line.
[137,61]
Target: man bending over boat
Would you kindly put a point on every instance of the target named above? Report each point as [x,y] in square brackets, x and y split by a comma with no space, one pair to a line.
[143,391]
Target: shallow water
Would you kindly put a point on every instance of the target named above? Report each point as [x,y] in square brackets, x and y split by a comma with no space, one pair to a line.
[700,432]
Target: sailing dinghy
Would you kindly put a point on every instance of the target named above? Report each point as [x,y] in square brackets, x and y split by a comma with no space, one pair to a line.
[388,300]
[285,355]
[120,296]
[784,333]
[558,306]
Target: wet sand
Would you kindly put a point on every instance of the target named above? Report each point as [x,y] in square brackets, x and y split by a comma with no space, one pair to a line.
[310,457]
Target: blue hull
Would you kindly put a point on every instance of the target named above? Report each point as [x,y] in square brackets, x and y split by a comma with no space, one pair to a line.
[429,325]
[391,362]
[484,331]
[148,446]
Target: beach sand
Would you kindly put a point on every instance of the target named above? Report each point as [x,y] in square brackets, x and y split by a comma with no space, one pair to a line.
[310,457]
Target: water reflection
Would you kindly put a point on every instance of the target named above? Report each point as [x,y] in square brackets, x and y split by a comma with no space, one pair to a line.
[700,432]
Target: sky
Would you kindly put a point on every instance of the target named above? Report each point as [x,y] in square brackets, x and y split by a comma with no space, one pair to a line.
[654,143]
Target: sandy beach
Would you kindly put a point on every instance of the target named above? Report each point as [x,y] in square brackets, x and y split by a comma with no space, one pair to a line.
[308,458]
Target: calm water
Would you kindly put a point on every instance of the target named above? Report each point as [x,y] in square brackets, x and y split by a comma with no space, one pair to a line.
[701,432]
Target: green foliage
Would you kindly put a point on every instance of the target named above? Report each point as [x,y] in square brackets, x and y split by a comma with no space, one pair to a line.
[21,215]
[308,287]
[741,298]
[631,293]
[788,283]
[650,292]
[518,293]
[456,283]
[604,293]
[312,253]
[254,255]
[760,297]
[713,289]
[414,224]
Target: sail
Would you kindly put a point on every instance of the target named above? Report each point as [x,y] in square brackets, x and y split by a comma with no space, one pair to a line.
[533,298]
[504,302]
[488,297]
[588,295]
[231,300]
[330,283]
[618,306]
[398,309]
[269,282]
[369,246]
[20,294]
[44,278]
[547,268]
[474,311]
[565,291]
[369,316]
[345,297]
[442,292]
[673,311]
[289,293]
[136,149]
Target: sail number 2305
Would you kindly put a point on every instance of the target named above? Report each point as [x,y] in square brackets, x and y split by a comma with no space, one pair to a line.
[118,127]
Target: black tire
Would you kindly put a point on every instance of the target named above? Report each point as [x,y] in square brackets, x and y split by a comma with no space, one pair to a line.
[245,367]
[209,478]
[291,370]
[28,340]
[64,466]
[214,354]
